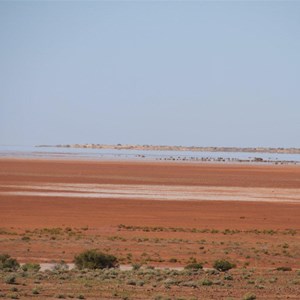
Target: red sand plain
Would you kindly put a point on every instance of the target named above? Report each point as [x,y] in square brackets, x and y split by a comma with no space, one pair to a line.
[104,215]
[42,211]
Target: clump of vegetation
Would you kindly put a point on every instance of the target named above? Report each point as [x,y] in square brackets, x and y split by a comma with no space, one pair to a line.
[223,265]
[131,282]
[191,284]
[136,266]
[205,230]
[228,277]
[92,259]
[206,282]
[31,267]
[35,291]
[194,266]
[13,296]
[284,269]
[6,262]
[61,266]
[249,297]
[10,279]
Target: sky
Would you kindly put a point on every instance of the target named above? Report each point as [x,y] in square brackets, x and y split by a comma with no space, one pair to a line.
[198,73]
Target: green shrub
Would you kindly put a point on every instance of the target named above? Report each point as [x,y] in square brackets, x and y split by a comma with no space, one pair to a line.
[92,259]
[223,265]
[6,262]
[31,267]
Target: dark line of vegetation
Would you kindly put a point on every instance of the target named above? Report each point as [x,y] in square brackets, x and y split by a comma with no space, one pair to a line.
[206,230]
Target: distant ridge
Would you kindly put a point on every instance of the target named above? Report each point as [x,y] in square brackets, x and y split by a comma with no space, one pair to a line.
[179,148]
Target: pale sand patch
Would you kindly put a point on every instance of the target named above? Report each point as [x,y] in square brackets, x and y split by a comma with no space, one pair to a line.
[153,192]
[71,266]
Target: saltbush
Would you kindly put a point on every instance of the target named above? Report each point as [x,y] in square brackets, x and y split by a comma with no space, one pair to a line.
[223,265]
[31,267]
[206,282]
[194,266]
[6,262]
[136,266]
[10,279]
[249,296]
[60,266]
[92,259]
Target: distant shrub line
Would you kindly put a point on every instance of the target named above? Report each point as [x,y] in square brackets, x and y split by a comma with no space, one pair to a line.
[205,230]
[93,259]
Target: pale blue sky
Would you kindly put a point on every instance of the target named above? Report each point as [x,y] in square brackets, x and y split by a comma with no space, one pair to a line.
[177,73]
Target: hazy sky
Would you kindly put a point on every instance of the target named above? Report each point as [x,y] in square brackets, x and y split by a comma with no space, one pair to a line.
[176,73]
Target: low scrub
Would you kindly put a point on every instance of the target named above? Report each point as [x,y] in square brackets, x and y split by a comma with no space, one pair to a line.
[92,259]
[6,262]
[136,266]
[194,266]
[10,279]
[249,296]
[284,269]
[223,265]
[31,267]
[206,282]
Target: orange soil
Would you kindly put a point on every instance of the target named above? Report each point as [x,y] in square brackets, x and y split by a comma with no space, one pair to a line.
[103,215]
[41,212]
